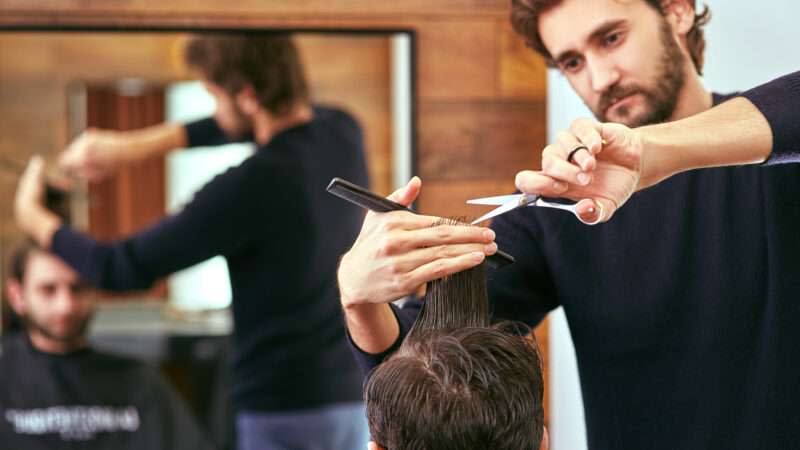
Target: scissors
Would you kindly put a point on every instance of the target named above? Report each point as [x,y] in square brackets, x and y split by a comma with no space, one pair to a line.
[511,202]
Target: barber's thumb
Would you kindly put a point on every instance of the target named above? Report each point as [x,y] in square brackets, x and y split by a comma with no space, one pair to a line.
[35,167]
[408,193]
[614,133]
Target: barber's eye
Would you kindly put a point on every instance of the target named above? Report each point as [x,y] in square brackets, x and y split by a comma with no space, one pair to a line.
[48,290]
[571,64]
[612,38]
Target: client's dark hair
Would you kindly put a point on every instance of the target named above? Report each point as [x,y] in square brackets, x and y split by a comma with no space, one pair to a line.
[456,383]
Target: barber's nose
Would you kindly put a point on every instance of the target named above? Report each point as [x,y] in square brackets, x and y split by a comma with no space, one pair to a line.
[603,73]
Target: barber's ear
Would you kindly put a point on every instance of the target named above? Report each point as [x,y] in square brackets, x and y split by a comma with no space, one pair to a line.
[679,14]
[14,292]
[247,101]
[373,446]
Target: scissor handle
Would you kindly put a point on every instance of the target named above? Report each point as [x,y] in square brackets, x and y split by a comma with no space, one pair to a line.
[364,198]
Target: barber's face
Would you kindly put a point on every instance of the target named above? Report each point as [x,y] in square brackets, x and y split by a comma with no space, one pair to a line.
[620,56]
[228,115]
[53,302]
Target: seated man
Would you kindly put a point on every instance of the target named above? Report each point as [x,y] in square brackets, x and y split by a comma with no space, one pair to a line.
[56,392]
[455,382]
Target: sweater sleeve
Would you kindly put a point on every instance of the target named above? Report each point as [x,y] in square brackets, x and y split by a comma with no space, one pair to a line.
[205,132]
[779,101]
[406,315]
[224,215]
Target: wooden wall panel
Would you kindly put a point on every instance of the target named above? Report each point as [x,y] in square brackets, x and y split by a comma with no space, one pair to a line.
[517,64]
[458,61]
[479,140]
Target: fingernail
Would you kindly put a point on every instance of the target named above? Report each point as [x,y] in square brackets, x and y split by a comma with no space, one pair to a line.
[490,248]
[591,209]
[583,178]
[559,186]
[488,234]
[478,256]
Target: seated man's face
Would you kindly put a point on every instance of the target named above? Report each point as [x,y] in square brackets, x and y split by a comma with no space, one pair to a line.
[53,302]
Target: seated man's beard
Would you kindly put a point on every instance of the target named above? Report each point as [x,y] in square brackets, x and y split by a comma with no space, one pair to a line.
[661,99]
[77,329]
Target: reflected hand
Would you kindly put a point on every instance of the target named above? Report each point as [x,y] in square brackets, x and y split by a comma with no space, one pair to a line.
[397,252]
[30,212]
[94,155]
[601,177]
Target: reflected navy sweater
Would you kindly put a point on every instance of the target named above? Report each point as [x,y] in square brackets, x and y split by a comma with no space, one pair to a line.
[684,309]
[281,234]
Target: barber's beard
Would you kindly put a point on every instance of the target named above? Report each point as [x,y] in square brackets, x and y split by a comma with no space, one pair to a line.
[76,333]
[661,99]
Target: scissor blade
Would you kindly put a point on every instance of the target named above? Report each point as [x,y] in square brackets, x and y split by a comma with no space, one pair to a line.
[508,206]
[499,200]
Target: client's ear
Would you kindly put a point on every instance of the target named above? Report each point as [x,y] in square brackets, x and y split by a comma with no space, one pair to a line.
[373,446]
[545,440]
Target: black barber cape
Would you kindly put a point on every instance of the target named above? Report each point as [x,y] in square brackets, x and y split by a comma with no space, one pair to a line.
[87,400]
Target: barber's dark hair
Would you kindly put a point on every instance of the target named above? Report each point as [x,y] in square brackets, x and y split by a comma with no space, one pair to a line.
[269,62]
[455,382]
[525,21]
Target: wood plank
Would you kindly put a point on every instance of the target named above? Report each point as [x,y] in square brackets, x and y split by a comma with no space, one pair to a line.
[448,198]
[521,68]
[480,140]
[458,60]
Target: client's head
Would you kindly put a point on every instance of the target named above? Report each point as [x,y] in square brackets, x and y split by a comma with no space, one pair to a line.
[55,305]
[456,383]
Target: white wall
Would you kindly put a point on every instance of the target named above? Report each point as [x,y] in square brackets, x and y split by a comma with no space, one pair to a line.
[205,285]
[747,43]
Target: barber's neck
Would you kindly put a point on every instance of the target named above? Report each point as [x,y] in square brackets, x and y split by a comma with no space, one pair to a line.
[46,344]
[266,125]
[693,99]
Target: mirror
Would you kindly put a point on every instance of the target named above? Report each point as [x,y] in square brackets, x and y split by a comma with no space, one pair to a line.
[55,83]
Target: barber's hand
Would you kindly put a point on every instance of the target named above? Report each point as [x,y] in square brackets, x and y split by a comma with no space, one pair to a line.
[398,252]
[601,177]
[30,212]
[95,154]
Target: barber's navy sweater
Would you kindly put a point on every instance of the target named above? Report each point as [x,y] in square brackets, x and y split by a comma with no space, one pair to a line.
[281,234]
[684,309]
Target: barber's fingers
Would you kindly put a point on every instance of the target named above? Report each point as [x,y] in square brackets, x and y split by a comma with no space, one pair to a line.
[559,169]
[537,183]
[400,242]
[589,133]
[437,269]
[412,260]
[574,151]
